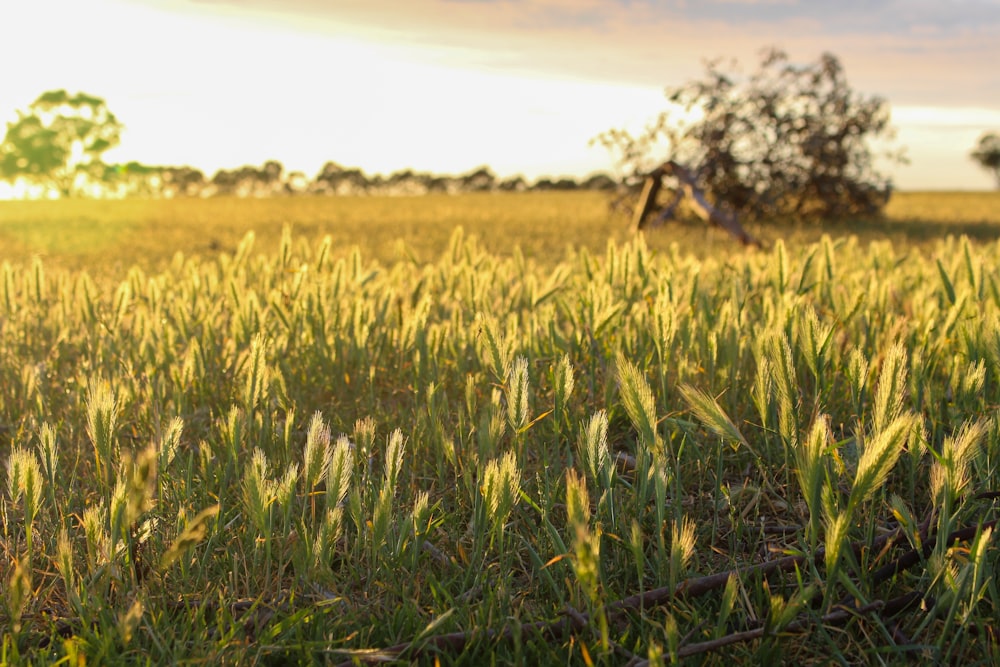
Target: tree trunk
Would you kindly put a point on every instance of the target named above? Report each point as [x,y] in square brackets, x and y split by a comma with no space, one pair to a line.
[711,214]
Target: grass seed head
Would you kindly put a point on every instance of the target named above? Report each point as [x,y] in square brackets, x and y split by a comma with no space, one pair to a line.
[24,480]
[878,458]
[102,423]
[339,472]
[577,501]
[708,410]
[593,447]
[891,389]
[326,539]
[170,441]
[638,400]
[64,560]
[498,352]
[517,395]
[501,486]
[316,453]
[565,381]
[19,593]
[950,473]
[95,531]
[394,459]
[259,491]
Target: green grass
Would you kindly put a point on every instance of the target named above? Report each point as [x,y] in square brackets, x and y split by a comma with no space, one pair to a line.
[291,449]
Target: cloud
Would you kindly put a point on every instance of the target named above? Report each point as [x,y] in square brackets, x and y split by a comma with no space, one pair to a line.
[909,51]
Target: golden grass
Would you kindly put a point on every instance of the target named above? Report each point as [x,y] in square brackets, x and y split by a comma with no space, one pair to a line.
[107,237]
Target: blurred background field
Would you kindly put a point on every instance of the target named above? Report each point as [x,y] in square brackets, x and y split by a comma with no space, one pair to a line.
[108,237]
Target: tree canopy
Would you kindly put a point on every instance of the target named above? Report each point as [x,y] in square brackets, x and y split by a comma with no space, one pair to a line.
[58,141]
[987,154]
[788,140]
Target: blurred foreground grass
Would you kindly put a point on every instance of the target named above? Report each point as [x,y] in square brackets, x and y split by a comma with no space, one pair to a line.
[107,237]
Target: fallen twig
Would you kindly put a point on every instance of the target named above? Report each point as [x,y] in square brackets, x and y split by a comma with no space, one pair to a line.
[573,620]
[914,556]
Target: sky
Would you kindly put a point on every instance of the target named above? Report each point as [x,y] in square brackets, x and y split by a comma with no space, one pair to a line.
[448,85]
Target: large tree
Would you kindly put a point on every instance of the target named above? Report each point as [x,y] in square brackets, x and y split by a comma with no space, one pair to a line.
[58,142]
[987,154]
[788,140]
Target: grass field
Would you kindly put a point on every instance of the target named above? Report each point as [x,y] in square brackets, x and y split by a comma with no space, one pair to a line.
[372,436]
[108,237]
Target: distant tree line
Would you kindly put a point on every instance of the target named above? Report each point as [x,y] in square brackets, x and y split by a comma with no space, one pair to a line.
[56,147]
[788,140]
[271,180]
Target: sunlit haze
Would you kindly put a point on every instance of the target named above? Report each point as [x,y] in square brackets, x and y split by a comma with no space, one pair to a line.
[448,85]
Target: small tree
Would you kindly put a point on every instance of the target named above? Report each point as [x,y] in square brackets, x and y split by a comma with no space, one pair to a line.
[987,154]
[480,179]
[58,141]
[787,141]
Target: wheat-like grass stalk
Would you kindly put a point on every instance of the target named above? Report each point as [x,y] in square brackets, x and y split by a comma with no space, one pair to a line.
[516,386]
[637,398]
[170,441]
[499,352]
[19,593]
[257,375]
[326,540]
[763,389]
[364,435]
[786,388]
[102,423]
[837,526]
[316,453]
[857,376]
[339,472]
[259,492]
[586,546]
[682,543]
[141,475]
[48,451]
[815,342]
[8,293]
[708,410]
[37,287]
[501,486]
[949,473]
[592,447]
[95,531]
[64,561]
[394,459]
[891,388]
[565,382]
[24,482]
[878,458]
[285,494]
[194,532]
[811,470]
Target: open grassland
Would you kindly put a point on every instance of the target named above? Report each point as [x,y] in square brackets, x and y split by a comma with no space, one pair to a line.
[108,237]
[280,449]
